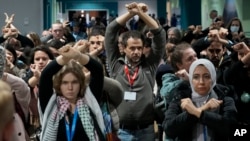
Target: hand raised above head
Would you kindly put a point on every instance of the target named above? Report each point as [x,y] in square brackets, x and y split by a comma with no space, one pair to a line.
[241,47]
[213,32]
[142,7]
[133,8]
[82,46]
[9,20]
[214,35]
[131,5]
[223,32]
[69,52]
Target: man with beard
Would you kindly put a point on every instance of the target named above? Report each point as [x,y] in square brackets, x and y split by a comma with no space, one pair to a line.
[135,72]
[216,47]
[215,53]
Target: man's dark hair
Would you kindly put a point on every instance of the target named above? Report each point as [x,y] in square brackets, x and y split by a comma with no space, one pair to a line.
[215,11]
[132,34]
[97,30]
[55,43]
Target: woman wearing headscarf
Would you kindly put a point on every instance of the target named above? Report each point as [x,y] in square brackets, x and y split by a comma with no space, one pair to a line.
[201,109]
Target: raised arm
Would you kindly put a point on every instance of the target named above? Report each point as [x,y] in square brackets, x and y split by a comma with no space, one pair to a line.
[111,37]
[114,90]
[97,76]
[25,41]
[46,83]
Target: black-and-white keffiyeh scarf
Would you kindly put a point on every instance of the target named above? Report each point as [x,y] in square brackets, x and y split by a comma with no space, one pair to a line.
[58,111]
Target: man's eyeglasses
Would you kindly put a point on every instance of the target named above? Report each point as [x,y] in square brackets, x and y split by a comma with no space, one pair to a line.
[97,42]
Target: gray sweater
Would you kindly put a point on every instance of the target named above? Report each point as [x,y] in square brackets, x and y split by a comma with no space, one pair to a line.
[139,111]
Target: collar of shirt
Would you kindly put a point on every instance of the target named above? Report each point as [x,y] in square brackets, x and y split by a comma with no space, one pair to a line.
[129,64]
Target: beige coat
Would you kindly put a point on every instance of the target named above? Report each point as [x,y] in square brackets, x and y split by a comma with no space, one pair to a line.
[22,93]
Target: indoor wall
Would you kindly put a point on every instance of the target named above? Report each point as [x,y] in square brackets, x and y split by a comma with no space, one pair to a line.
[242,9]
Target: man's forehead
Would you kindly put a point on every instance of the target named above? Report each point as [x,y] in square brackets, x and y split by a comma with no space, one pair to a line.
[97,37]
[134,39]
[57,26]
[215,45]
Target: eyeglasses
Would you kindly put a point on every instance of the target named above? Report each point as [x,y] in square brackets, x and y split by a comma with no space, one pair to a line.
[217,51]
[97,42]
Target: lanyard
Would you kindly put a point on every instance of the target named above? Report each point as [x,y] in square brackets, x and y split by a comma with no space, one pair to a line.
[131,79]
[205,132]
[70,134]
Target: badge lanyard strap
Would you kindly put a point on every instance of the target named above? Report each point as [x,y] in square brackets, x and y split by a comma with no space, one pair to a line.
[205,132]
[131,79]
[70,135]
[204,126]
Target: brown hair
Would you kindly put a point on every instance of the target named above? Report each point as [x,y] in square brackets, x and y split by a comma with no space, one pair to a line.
[35,38]
[74,68]
[177,54]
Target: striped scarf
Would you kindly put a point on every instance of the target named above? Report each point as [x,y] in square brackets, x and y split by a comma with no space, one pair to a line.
[55,112]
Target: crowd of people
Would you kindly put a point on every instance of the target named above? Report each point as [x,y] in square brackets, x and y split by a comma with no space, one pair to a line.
[120,83]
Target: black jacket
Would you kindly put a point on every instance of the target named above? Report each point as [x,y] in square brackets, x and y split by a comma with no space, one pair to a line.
[179,124]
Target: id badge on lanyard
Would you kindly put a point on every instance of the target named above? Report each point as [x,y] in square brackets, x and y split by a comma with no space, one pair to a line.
[130,95]
[70,133]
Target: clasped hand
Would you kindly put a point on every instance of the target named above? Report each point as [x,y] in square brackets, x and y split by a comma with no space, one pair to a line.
[82,46]
[8,20]
[9,32]
[241,47]
[218,35]
[135,8]
[183,74]
[69,52]
[187,105]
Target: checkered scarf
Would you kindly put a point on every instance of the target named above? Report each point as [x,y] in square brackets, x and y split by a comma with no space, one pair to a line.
[57,112]
[83,111]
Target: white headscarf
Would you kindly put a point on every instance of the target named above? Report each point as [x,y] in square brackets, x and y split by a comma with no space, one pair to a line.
[198,133]
[209,65]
